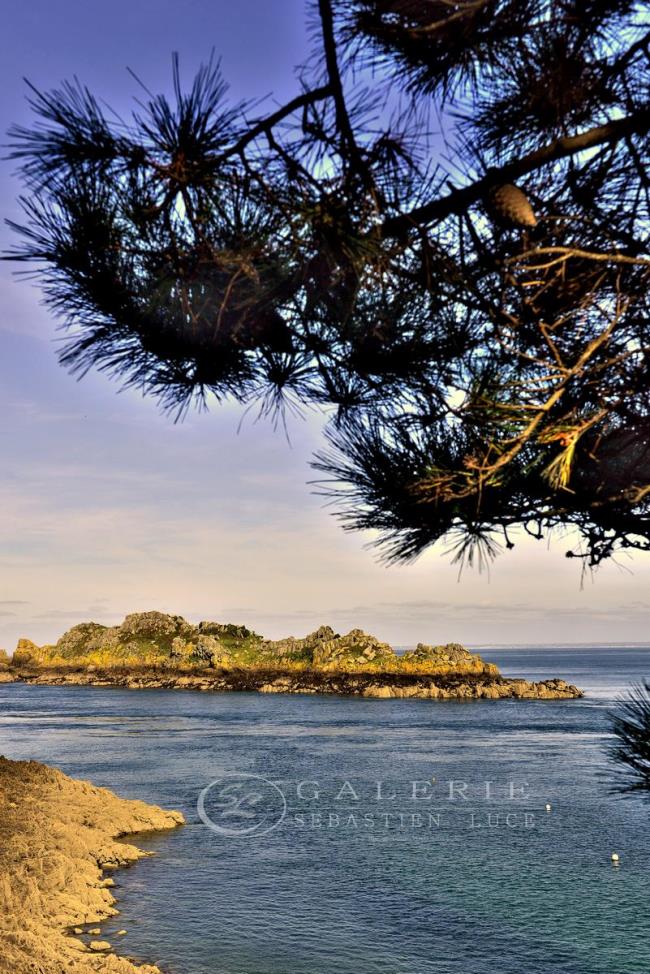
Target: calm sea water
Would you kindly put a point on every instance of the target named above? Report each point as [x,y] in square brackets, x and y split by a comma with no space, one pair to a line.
[351,881]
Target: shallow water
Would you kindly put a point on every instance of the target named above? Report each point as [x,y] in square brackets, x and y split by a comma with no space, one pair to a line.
[350,882]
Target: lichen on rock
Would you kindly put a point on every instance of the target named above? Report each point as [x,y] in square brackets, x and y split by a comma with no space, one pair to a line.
[154,649]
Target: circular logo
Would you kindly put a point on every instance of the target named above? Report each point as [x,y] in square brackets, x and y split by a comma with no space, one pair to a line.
[241,804]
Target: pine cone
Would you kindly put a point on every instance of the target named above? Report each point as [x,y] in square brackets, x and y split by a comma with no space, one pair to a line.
[509,205]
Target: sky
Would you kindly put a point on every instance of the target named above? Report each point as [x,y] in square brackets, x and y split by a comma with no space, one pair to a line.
[107,507]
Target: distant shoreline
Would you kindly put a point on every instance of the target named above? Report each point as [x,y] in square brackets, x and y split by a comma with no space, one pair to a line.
[555,646]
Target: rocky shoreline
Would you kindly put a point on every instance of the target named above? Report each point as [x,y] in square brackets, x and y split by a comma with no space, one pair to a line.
[278,680]
[59,836]
[154,650]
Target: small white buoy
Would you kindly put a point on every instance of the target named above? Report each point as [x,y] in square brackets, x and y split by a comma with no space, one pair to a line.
[615,857]
[548,808]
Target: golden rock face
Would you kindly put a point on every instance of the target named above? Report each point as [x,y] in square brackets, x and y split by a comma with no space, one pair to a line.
[510,206]
[58,836]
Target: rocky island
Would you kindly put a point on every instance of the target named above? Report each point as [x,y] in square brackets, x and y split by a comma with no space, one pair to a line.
[156,650]
[59,836]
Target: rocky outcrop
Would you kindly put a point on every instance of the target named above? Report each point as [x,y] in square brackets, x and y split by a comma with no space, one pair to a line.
[357,647]
[141,634]
[154,649]
[326,648]
[58,835]
[297,649]
[442,659]
[451,653]
[27,652]
[227,630]
[280,680]
[154,637]
[492,690]
[154,626]
[87,637]
[143,637]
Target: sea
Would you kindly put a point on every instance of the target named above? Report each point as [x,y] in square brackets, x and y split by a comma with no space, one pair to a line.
[332,835]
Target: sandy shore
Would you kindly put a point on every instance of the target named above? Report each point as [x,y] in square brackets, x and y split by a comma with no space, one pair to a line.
[57,850]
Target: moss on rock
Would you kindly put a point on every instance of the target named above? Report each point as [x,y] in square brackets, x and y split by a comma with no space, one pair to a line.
[158,639]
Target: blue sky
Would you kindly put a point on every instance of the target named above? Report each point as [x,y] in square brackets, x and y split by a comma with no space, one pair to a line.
[107,507]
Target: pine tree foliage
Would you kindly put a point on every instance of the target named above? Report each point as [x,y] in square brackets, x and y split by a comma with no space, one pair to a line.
[443,238]
[631,746]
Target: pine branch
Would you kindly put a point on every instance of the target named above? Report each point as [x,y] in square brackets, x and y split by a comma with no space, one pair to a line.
[461,199]
[343,121]
[266,125]
[482,376]
[630,724]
